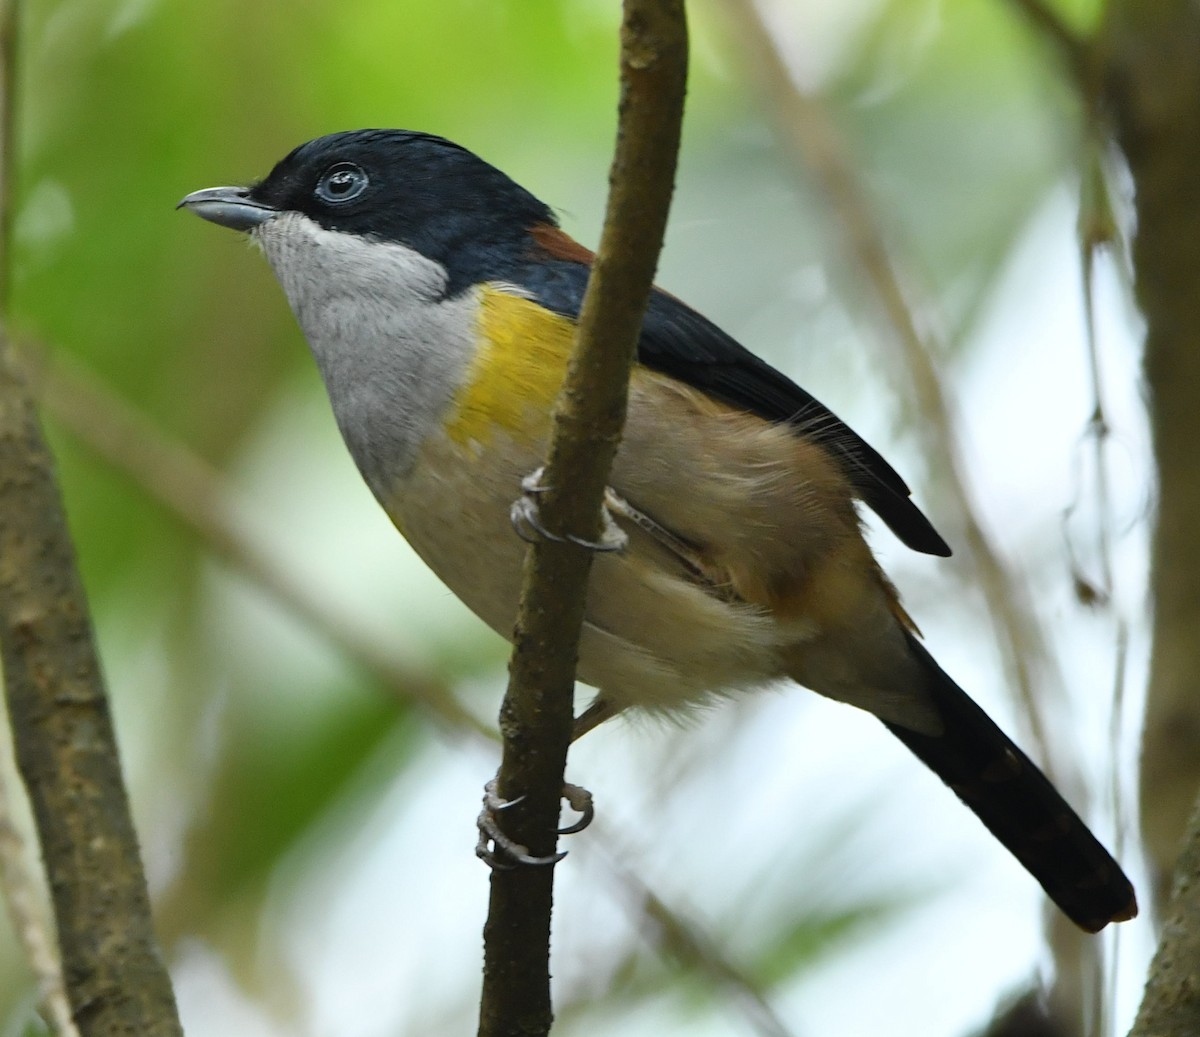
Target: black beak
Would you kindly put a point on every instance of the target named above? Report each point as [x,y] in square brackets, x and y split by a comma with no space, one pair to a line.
[231,207]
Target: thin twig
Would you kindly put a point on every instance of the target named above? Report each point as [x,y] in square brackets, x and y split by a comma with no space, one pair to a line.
[694,949]
[536,716]
[818,146]
[1097,230]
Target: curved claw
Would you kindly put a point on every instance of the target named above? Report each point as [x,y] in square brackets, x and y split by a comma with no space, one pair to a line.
[505,855]
[580,800]
[525,516]
[499,852]
[494,848]
[615,543]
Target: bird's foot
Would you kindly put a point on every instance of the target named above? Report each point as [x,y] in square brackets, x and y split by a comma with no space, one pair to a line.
[499,852]
[526,519]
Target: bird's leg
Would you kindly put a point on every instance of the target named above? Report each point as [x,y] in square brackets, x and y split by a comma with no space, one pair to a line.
[526,519]
[687,553]
[599,711]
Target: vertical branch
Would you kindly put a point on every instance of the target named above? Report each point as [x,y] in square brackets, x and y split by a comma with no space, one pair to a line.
[1152,89]
[1171,1002]
[536,716]
[65,748]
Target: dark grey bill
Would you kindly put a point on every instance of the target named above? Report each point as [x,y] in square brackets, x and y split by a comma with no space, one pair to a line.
[231,207]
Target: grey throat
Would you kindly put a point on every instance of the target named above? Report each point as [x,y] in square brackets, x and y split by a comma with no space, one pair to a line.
[390,346]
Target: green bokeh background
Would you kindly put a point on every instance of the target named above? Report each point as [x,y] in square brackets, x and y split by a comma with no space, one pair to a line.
[256,752]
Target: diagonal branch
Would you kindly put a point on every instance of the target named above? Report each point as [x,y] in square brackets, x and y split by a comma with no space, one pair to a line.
[205,503]
[536,716]
[677,937]
[817,145]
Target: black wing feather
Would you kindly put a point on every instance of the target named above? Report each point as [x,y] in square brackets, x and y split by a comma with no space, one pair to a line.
[678,341]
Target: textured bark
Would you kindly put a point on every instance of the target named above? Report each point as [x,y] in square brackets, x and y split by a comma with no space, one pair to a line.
[65,747]
[1171,1004]
[536,717]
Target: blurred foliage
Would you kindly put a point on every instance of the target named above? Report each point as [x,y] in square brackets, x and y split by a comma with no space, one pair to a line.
[246,737]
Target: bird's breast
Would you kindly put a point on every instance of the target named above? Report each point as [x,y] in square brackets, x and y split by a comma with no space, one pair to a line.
[515,374]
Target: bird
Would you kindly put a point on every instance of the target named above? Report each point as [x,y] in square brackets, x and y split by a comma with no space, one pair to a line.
[440,298]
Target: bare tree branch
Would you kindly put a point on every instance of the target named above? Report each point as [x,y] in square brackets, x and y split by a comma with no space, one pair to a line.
[1152,89]
[64,743]
[536,716]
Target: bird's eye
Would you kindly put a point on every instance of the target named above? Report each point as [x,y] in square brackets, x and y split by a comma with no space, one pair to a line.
[342,183]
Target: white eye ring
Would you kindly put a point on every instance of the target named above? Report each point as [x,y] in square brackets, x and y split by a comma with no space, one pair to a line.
[342,183]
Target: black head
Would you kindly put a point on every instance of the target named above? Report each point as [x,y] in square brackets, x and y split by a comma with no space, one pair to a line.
[411,188]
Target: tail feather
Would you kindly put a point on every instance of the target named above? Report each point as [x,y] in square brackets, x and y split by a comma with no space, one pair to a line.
[1019,806]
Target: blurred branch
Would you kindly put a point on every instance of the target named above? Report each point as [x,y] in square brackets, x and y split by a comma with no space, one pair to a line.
[688,944]
[536,716]
[1028,1015]
[17,883]
[1074,49]
[21,895]
[816,144]
[62,732]
[1082,995]
[1152,90]
[205,502]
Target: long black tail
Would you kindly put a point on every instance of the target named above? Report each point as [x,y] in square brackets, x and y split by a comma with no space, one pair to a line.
[1019,806]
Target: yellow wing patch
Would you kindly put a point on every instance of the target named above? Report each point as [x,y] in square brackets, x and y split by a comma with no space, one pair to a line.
[514,378]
